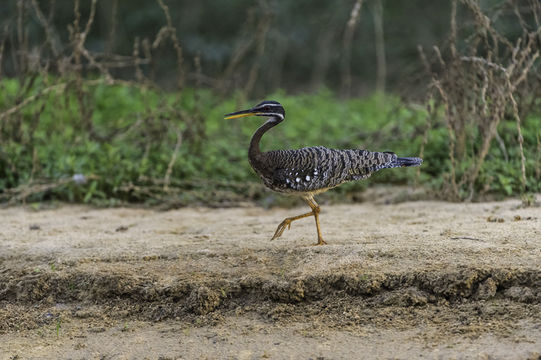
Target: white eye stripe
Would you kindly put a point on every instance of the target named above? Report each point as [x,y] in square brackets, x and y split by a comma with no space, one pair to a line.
[273,114]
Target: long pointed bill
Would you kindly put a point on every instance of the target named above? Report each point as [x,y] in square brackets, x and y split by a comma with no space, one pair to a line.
[239,114]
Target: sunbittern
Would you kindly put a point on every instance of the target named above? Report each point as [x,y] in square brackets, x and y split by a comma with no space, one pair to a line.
[310,170]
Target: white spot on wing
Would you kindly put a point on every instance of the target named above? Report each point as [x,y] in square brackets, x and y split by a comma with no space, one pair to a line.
[298,179]
[307,178]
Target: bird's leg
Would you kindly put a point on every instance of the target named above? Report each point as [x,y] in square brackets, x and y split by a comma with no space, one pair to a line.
[315,210]
[287,221]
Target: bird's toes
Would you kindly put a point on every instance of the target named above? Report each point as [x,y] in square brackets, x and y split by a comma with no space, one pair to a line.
[281,228]
[278,233]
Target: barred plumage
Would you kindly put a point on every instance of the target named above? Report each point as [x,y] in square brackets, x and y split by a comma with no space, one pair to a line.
[311,170]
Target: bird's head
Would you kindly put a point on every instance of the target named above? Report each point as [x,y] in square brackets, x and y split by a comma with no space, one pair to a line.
[271,109]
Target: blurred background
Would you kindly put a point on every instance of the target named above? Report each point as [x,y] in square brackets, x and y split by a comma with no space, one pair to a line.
[111,102]
[298,46]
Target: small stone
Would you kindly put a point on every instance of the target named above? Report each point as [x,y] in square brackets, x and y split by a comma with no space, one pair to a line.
[520,294]
[121,228]
[487,289]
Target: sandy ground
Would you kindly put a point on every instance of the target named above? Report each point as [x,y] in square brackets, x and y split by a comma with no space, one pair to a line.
[416,279]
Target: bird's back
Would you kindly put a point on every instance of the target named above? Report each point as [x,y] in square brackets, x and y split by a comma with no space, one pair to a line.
[313,169]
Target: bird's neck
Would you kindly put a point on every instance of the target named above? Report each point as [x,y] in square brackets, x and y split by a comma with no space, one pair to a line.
[254,151]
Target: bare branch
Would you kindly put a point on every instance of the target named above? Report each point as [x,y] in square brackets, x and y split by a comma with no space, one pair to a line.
[346,46]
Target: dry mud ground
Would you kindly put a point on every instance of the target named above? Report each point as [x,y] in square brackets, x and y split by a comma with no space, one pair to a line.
[417,279]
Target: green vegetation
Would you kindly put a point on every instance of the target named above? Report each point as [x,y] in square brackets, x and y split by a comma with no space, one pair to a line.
[58,326]
[142,145]
[100,104]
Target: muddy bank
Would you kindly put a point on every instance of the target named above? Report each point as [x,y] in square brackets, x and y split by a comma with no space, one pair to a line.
[202,293]
[424,275]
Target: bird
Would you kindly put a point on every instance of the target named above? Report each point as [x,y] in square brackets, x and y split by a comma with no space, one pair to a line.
[309,171]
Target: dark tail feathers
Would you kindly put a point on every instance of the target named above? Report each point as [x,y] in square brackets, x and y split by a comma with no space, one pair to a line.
[407,161]
[402,162]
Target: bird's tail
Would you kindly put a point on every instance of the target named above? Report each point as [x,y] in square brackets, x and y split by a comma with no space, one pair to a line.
[406,161]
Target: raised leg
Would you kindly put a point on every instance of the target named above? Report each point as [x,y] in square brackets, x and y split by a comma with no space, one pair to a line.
[315,212]
[287,223]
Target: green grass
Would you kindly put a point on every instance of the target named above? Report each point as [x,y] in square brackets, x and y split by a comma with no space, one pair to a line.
[133,134]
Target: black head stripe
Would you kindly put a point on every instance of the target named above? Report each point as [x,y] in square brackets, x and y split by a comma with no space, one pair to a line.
[268,103]
[270,108]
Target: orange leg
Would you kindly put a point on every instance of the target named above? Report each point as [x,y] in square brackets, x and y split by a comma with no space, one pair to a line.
[315,212]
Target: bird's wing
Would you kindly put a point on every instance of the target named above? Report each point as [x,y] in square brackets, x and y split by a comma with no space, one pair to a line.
[314,168]
[298,179]
[295,170]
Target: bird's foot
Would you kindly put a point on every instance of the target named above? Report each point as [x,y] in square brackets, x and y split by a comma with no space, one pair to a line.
[280,229]
[320,241]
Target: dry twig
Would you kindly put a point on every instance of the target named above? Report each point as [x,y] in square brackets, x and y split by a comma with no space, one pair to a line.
[354,17]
